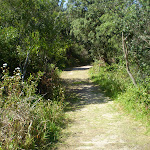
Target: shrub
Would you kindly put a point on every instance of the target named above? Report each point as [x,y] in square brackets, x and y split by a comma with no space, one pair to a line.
[50,86]
[27,120]
[136,100]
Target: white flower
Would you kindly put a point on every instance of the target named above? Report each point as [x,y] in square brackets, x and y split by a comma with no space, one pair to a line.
[17,68]
[12,77]
[2,88]
[17,74]
[5,65]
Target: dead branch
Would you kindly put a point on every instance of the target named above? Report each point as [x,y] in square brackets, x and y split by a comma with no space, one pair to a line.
[125,51]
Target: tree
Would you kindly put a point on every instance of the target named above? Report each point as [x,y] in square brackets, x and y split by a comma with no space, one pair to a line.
[31,34]
[98,26]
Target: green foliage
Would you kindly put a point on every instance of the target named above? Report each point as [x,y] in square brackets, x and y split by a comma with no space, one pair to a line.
[95,28]
[77,55]
[136,29]
[98,25]
[116,84]
[136,100]
[31,34]
[50,86]
[27,120]
[109,80]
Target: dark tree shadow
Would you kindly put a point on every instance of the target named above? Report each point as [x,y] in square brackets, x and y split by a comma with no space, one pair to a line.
[82,92]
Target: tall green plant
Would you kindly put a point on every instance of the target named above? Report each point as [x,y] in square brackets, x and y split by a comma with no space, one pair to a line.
[28,121]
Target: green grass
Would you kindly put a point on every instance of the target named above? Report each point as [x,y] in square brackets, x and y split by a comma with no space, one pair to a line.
[116,84]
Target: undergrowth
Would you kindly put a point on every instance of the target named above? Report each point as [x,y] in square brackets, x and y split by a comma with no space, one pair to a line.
[115,83]
[28,120]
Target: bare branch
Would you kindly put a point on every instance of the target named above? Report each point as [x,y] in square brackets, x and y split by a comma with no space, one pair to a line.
[125,51]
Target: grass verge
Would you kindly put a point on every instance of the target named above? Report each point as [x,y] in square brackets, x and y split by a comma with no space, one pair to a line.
[116,84]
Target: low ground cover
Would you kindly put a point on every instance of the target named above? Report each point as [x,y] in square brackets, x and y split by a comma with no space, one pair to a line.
[116,84]
[29,120]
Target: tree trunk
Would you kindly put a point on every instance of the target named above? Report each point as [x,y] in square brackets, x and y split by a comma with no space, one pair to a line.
[125,51]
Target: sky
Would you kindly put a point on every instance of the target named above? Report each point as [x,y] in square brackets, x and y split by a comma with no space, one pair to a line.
[65,3]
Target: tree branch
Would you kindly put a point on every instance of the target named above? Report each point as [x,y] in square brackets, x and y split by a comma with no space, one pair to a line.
[125,51]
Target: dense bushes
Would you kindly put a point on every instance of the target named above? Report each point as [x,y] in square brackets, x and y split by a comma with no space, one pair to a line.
[28,121]
[115,83]
[103,28]
[49,84]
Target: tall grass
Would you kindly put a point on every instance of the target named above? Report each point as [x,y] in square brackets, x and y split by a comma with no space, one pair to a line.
[116,84]
[28,121]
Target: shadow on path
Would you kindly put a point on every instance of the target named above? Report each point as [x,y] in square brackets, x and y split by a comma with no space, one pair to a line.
[81,91]
[94,123]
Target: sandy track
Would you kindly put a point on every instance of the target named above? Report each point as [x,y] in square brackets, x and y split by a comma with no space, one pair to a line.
[96,124]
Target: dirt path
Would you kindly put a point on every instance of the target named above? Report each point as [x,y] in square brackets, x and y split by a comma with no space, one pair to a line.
[96,124]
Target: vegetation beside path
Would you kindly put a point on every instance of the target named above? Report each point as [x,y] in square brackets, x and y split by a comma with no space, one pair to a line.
[30,120]
[115,83]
